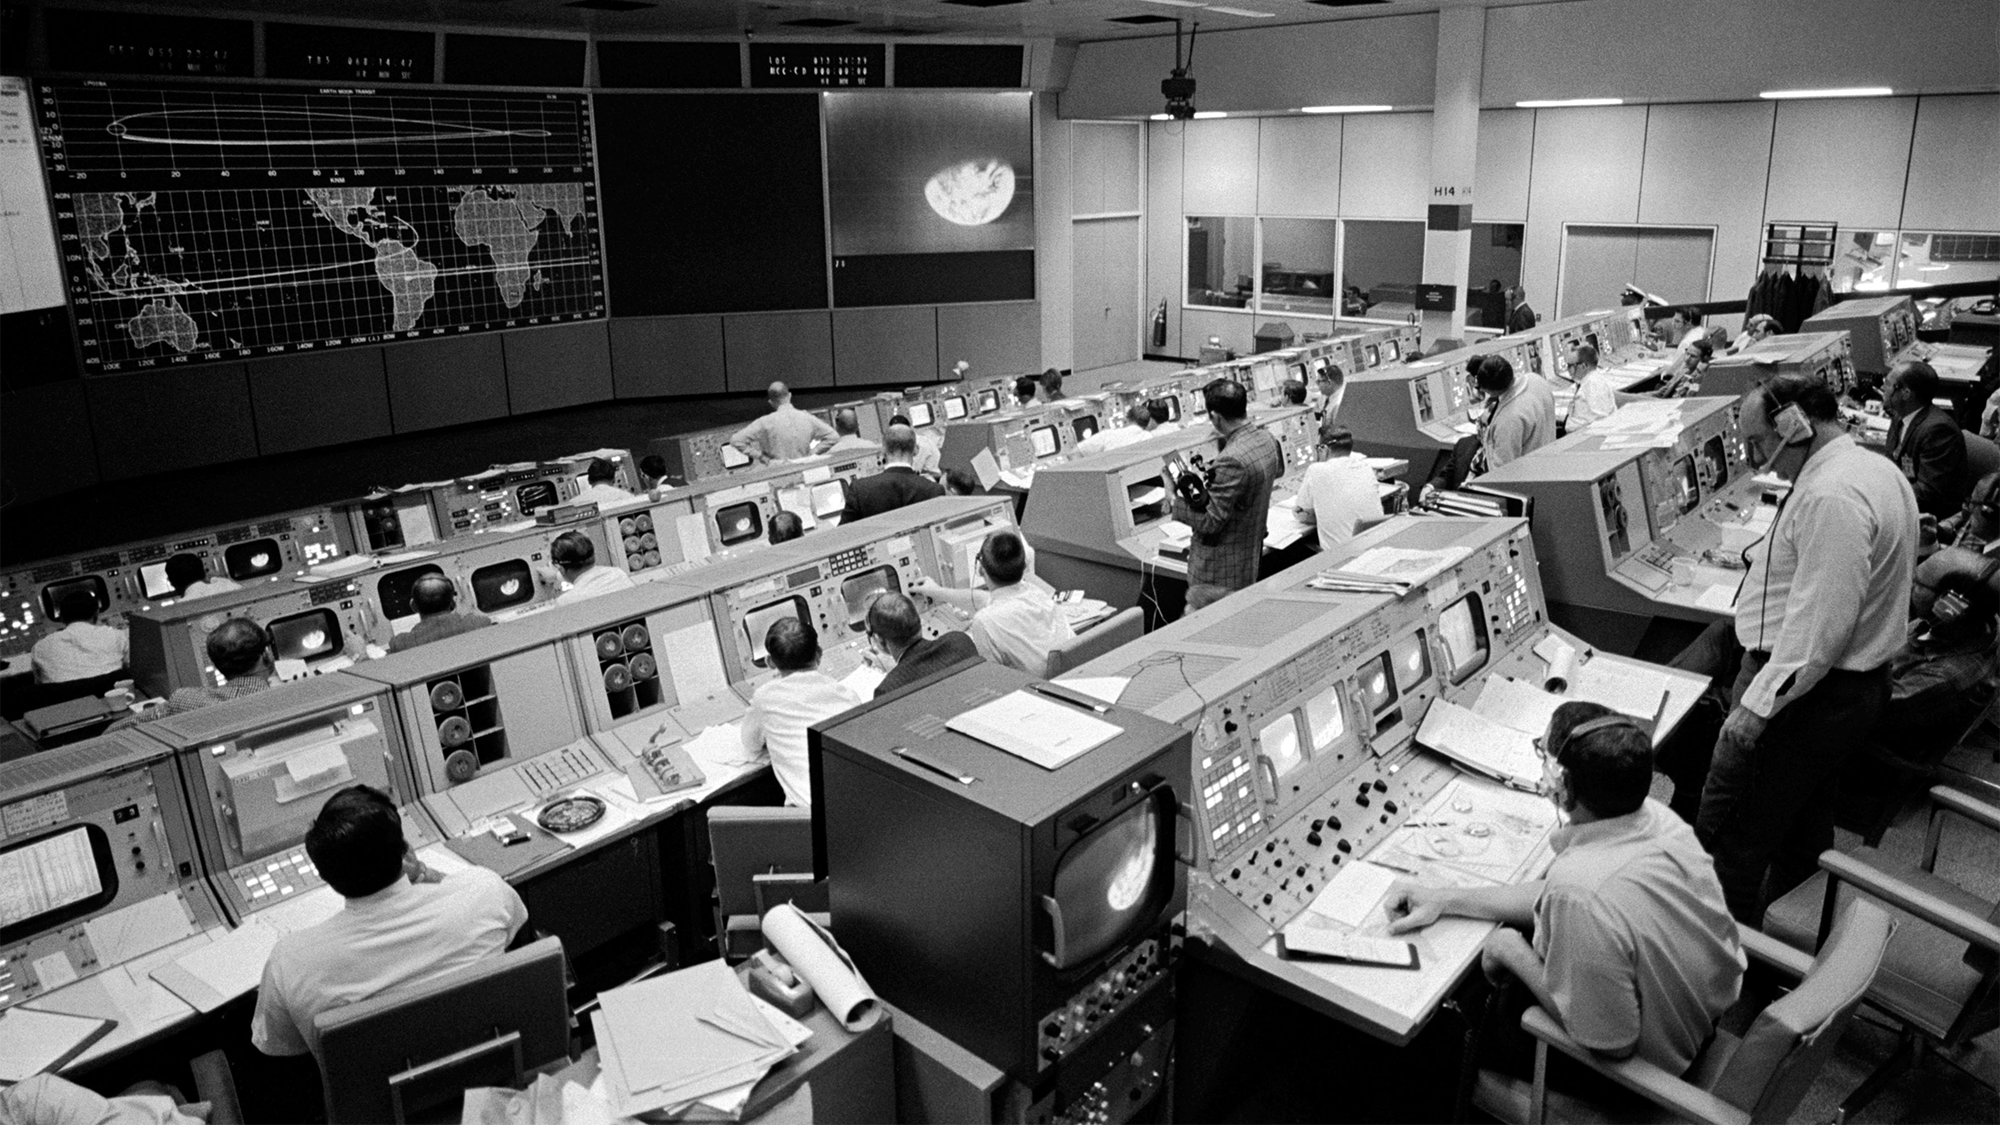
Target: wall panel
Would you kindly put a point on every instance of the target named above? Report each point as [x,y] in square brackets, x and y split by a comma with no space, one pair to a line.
[1220,174]
[1003,339]
[669,355]
[1109,166]
[1842,161]
[1385,166]
[47,446]
[1954,169]
[1165,230]
[550,368]
[1500,178]
[1298,165]
[319,398]
[875,347]
[1706,165]
[1586,170]
[762,348]
[160,421]
[446,382]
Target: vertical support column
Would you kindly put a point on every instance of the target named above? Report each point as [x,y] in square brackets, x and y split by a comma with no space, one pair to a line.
[1461,54]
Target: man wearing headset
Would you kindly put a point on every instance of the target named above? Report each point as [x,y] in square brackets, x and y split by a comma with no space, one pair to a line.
[1632,946]
[1822,611]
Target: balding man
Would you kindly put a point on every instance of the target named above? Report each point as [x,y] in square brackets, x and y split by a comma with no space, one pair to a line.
[896,636]
[898,485]
[847,424]
[436,601]
[785,434]
[240,650]
[1138,426]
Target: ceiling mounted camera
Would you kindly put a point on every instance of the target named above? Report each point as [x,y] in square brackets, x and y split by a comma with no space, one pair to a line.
[1178,88]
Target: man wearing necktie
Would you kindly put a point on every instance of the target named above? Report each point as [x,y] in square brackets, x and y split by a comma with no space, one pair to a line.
[1924,440]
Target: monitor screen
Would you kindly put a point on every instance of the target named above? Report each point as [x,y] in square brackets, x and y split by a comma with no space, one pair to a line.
[989,401]
[305,636]
[860,589]
[393,589]
[1378,684]
[1297,371]
[1278,742]
[1461,630]
[920,414]
[53,593]
[1394,350]
[757,624]
[829,498]
[1114,882]
[739,523]
[1198,404]
[503,584]
[1687,484]
[1173,403]
[1715,454]
[52,878]
[1325,719]
[535,495]
[153,577]
[1412,660]
[1374,355]
[1044,440]
[732,457]
[1084,426]
[954,407]
[254,559]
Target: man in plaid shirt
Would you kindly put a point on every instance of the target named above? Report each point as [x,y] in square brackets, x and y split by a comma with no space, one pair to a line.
[1228,538]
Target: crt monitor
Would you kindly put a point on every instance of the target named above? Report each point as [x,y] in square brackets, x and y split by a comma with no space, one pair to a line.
[988,401]
[54,592]
[757,624]
[1716,456]
[1044,440]
[1173,407]
[1085,425]
[1393,349]
[1297,371]
[54,877]
[153,578]
[503,584]
[1378,684]
[829,498]
[1412,661]
[254,559]
[732,457]
[739,523]
[954,407]
[920,414]
[535,495]
[1279,744]
[395,588]
[1687,483]
[1461,631]
[1111,885]
[1374,355]
[308,636]
[858,590]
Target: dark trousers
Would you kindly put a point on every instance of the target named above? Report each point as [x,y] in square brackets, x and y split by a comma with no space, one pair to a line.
[1767,808]
[1685,755]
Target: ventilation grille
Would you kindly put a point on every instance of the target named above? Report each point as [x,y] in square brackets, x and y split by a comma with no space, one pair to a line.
[1965,247]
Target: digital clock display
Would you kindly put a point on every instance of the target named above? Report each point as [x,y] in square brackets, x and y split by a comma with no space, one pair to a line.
[831,66]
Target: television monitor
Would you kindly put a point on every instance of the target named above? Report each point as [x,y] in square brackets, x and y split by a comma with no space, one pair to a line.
[1461,631]
[954,407]
[1374,355]
[739,523]
[535,495]
[757,624]
[829,498]
[1393,349]
[1044,440]
[1173,407]
[254,559]
[1198,404]
[1279,744]
[503,584]
[1112,883]
[988,401]
[1591,339]
[394,589]
[153,579]
[1378,684]
[858,590]
[920,414]
[732,457]
[54,592]
[305,636]
[1714,453]
[1325,720]
[1084,426]
[54,877]
[1687,483]
[1412,660]
[1297,371]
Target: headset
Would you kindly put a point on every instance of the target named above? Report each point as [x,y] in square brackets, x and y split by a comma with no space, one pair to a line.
[1950,607]
[1789,422]
[1602,722]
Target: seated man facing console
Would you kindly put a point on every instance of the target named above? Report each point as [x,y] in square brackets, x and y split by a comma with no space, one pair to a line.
[401,923]
[1634,950]
[1014,624]
[601,485]
[1337,496]
[82,648]
[435,599]
[575,557]
[896,636]
[782,709]
[240,650]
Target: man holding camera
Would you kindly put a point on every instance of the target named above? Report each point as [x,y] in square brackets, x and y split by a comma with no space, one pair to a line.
[1229,514]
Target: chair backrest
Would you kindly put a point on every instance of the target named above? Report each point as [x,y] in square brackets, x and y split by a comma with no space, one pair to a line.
[746,841]
[1120,629]
[368,1048]
[1790,1041]
[1982,456]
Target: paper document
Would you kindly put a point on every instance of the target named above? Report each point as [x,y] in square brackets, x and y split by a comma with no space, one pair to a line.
[140,928]
[1477,741]
[1628,690]
[1717,599]
[694,662]
[1353,894]
[823,964]
[1282,528]
[1560,657]
[1519,706]
[32,1041]
[722,745]
[1035,728]
[683,1037]
[987,468]
[341,568]
[45,875]
[1147,497]
[222,970]
[865,679]
[1105,688]
[1387,568]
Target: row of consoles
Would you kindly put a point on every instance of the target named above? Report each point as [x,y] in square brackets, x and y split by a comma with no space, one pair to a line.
[1266,750]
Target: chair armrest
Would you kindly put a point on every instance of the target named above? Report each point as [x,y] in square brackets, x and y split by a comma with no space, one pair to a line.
[215,1083]
[1958,922]
[1967,806]
[1688,1102]
[1763,947]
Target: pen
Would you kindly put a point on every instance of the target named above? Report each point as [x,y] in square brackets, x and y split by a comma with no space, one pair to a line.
[1057,691]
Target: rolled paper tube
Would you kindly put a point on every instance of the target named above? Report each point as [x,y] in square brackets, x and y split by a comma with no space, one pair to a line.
[816,957]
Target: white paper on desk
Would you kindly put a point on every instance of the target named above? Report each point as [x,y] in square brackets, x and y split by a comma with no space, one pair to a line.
[142,1000]
[1353,894]
[340,568]
[987,468]
[1282,528]
[1520,706]
[722,744]
[1153,495]
[1631,691]
[406,556]
[32,1040]
[1104,688]
[138,929]
[54,970]
[1034,728]
[300,912]
[694,662]
[692,532]
[1481,743]
[1717,599]
[1018,478]
[822,963]
[865,679]
[1560,657]
[222,970]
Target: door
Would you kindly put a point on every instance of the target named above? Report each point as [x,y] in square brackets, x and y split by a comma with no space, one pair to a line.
[1105,274]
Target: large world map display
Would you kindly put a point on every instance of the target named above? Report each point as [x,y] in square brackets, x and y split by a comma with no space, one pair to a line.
[222,224]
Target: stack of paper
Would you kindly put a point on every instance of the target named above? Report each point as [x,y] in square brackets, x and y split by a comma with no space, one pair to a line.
[1386,570]
[687,1037]
[1482,742]
[1175,538]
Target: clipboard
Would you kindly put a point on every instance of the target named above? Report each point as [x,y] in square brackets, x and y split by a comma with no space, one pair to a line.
[34,1041]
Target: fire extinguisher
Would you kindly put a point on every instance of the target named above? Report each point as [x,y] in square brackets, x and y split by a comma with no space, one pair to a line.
[1160,325]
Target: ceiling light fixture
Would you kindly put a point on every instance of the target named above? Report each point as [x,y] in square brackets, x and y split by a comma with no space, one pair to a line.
[1560,103]
[1838,92]
[1177,3]
[1159,117]
[1244,12]
[1209,114]
[1346,109]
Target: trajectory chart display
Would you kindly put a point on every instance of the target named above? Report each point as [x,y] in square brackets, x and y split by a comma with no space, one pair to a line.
[208,224]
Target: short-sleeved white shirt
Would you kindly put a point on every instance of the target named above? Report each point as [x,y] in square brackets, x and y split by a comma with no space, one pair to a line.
[1019,627]
[1335,496]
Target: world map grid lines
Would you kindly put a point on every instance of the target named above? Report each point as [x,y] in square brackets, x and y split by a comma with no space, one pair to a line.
[207,225]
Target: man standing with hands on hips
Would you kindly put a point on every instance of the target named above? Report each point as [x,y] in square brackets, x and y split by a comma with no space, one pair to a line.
[1821,612]
[1229,525]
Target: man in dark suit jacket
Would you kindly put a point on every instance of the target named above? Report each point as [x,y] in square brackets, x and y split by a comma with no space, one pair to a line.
[898,485]
[897,632]
[1924,440]
[1520,318]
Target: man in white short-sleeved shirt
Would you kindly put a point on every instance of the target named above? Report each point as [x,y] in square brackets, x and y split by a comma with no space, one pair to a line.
[782,709]
[1337,494]
[390,932]
[1015,623]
